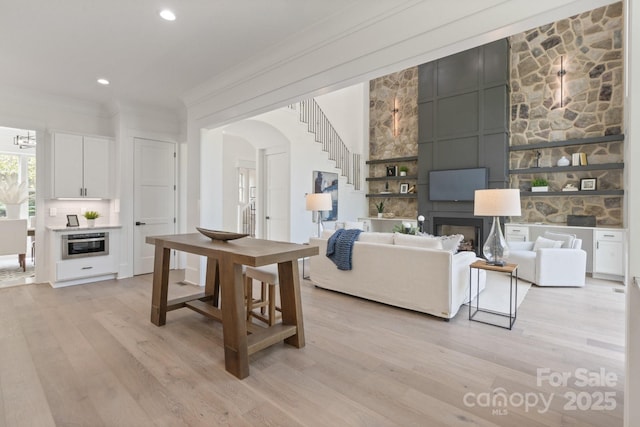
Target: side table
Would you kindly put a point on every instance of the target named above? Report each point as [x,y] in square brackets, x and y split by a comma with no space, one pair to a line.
[512,270]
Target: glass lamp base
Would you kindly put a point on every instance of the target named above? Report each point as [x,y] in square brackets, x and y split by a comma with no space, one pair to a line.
[495,249]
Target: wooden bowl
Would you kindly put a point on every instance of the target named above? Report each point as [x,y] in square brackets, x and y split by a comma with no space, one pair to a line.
[220,235]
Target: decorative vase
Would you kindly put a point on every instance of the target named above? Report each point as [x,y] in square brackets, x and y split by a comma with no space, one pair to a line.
[13,211]
[563,161]
[403,173]
[379,214]
[91,223]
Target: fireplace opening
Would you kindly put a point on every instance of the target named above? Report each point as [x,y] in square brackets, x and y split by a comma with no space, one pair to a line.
[470,228]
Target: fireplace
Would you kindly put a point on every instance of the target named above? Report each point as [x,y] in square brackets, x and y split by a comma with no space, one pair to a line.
[470,228]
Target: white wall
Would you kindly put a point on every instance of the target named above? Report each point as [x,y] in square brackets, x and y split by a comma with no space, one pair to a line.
[632,190]
[346,109]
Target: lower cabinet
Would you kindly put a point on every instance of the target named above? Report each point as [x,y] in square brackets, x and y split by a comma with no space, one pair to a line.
[604,246]
[85,267]
[608,253]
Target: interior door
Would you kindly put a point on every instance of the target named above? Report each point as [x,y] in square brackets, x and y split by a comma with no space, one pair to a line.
[277,196]
[154,198]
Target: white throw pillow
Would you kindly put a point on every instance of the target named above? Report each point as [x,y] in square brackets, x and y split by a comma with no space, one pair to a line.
[542,242]
[416,241]
[449,243]
[351,225]
[371,237]
[566,239]
[339,225]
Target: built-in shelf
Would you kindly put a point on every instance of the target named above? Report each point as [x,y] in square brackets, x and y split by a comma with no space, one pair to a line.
[565,169]
[568,142]
[391,178]
[391,160]
[573,193]
[405,195]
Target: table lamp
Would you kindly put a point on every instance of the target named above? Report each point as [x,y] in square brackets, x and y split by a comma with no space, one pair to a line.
[319,202]
[496,203]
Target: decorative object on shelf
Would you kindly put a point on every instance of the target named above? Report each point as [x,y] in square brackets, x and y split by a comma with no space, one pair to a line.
[380,208]
[583,159]
[319,202]
[496,203]
[91,217]
[388,215]
[392,170]
[421,223]
[220,235]
[575,159]
[538,155]
[588,184]
[563,161]
[570,187]
[12,194]
[539,184]
[72,221]
[403,170]
[404,188]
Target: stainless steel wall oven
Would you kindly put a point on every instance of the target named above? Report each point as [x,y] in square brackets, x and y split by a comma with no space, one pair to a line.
[85,245]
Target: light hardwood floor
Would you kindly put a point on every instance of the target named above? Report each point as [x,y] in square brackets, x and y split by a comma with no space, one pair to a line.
[89,356]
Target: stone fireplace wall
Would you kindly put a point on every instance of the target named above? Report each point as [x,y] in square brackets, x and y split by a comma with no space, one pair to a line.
[591,48]
[399,89]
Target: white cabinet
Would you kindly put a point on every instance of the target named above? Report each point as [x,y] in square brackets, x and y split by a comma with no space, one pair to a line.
[608,254]
[604,246]
[80,166]
[516,233]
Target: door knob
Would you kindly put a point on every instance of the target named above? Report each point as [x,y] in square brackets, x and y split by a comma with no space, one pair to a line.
[140,223]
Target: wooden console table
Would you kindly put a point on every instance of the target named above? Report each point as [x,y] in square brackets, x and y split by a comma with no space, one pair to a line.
[224,278]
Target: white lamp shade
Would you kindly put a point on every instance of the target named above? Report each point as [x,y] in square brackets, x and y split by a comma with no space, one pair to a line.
[497,202]
[319,202]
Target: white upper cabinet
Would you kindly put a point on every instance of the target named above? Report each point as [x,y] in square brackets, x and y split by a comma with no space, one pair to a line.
[80,166]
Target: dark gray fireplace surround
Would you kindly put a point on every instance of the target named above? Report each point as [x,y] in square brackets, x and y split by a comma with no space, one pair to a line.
[463,122]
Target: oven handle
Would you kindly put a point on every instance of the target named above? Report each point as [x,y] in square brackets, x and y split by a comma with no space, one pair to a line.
[98,239]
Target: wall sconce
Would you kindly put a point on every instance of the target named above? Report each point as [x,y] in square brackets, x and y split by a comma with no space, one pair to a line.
[395,116]
[561,74]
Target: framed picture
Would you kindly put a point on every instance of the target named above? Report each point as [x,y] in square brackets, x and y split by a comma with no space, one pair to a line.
[327,182]
[588,184]
[72,221]
[391,170]
[404,188]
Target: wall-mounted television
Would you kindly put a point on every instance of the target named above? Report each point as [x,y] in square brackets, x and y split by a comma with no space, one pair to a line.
[457,185]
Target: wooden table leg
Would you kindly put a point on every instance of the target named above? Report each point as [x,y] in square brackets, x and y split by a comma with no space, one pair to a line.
[160,285]
[291,303]
[212,280]
[234,323]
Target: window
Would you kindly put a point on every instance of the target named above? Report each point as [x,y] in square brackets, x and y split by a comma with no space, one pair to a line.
[25,167]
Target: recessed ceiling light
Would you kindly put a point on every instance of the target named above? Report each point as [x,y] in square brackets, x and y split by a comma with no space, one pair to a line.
[167,15]
[103,81]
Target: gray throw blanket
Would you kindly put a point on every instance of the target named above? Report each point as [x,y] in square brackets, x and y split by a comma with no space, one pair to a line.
[340,247]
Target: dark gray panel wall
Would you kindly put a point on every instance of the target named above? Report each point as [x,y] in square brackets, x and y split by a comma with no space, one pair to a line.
[463,104]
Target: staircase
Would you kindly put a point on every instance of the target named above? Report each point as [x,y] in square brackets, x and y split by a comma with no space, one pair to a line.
[318,124]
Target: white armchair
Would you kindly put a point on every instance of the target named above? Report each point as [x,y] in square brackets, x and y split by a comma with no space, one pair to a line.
[14,239]
[550,264]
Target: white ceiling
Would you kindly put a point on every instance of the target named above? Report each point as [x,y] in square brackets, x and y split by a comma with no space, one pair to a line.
[60,47]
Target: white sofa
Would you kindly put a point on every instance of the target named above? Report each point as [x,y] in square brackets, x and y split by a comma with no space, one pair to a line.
[433,281]
[561,264]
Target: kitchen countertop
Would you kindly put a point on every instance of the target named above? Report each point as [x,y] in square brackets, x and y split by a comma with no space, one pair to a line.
[82,228]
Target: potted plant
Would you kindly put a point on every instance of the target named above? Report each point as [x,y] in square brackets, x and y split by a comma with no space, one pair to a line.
[539,185]
[380,208]
[91,218]
[12,194]
[403,170]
